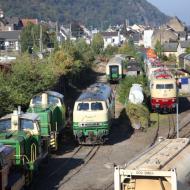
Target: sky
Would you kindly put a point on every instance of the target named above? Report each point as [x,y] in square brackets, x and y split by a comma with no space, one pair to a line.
[179,8]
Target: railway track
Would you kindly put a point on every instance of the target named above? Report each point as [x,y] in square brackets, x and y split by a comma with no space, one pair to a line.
[82,153]
[168,130]
[87,157]
[172,126]
[64,164]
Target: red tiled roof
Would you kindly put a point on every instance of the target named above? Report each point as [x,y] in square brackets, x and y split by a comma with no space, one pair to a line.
[25,22]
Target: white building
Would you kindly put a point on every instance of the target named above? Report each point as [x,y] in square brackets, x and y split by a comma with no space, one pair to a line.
[147,38]
[112,38]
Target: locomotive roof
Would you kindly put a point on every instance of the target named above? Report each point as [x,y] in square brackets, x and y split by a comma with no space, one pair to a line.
[96,92]
[116,60]
[163,80]
[52,93]
[29,116]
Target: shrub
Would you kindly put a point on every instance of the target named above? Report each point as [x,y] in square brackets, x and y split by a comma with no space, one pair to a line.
[138,115]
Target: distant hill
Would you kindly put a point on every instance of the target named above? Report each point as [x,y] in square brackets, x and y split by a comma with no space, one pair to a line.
[89,12]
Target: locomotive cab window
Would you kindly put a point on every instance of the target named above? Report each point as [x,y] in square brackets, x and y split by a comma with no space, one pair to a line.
[164,86]
[26,124]
[5,124]
[37,100]
[169,86]
[83,107]
[96,106]
[160,86]
[53,100]
[114,69]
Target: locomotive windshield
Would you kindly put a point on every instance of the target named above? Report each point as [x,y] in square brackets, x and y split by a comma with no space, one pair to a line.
[26,124]
[5,124]
[37,100]
[114,69]
[96,106]
[169,86]
[53,100]
[164,86]
[83,107]
[90,106]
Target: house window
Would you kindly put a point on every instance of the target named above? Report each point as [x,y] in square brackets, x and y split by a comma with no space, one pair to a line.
[113,40]
[11,44]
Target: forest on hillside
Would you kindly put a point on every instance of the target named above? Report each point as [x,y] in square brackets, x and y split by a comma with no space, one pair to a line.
[95,13]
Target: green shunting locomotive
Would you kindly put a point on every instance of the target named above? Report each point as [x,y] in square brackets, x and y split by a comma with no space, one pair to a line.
[49,105]
[21,131]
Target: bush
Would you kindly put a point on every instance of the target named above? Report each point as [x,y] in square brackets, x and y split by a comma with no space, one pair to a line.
[138,114]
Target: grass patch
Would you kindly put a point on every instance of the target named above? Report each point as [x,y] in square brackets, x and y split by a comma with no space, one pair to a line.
[154,119]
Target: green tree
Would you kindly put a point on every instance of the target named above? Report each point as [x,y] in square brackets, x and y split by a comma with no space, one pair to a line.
[27,77]
[30,37]
[158,48]
[187,50]
[97,43]
[129,49]
[86,53]
[110,50]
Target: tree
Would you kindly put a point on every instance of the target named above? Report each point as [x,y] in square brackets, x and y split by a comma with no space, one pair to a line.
[27,77]
[158,48]
[110,50]
[187,50]
[129,49]
[97,43]
[30,37]
[86,53]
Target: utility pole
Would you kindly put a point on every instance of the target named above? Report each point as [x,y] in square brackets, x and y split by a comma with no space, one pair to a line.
[56,30]
[41,44]
[177,109]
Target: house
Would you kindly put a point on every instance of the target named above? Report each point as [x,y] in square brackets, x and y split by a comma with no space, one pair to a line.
[27,21]
[9,23]
[187,63]
[138,28]
[170,48]
[183,45]
[163,35]
[181,59]
[133,69]
[64,33]
[176,24]
[112,38]
[182,36]
[9,40]
[133,35]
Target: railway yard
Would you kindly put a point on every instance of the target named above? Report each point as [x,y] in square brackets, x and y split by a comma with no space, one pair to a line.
[87,139]
[77,167]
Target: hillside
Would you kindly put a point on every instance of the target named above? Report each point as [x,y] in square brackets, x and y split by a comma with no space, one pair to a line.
[90,12]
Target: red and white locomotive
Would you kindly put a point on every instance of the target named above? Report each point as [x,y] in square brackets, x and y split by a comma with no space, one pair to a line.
[162,83]
[163,90]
